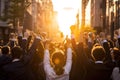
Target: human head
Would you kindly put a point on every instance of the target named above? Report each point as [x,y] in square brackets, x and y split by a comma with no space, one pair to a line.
[96,44]
[12,35]
[106,45]
[90,34]
[16,52]
[58,61]
[98,53]
[5,50]
[115,54]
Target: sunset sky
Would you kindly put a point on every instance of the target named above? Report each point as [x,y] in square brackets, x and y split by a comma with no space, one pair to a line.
[67,10]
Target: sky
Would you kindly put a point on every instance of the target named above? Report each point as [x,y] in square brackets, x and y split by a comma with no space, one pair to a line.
[59,4]
[67,10]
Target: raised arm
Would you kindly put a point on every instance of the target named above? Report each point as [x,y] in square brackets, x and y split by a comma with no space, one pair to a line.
[47,67]
[32,50]
[68,65]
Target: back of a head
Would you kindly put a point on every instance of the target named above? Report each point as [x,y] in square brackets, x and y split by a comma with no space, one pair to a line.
[58,61]
[16,52]
[12,35]
[118,40]
[90,34]
[26,34]
[5,49]
[98,53]
[106,45]
[116,54]
[96,44]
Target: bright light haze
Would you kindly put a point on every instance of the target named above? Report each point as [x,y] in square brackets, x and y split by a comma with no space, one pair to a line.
[67,10]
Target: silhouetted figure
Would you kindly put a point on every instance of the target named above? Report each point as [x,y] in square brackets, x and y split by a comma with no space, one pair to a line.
[16,70]
[98,70]
[57,65]
[4,59]
[116,58]
[19,69]
[12,41]
[106,46]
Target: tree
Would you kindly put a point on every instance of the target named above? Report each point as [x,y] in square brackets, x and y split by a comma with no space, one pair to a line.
[16,11]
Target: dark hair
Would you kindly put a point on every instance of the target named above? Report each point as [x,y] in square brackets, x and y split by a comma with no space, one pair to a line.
[98,53]
[16,52]
[96,44]
[119,42]
[116,54]
[5,49]
[106,46]
[58,61]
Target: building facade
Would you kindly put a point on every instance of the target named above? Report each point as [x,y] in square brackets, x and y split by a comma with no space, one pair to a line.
[40,16]
[98,15]
[113,15]
[117,14]
[84,4]
[4,27]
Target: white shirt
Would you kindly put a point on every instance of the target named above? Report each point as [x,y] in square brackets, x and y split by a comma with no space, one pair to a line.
[116,74]
[50,73]
[96,62]
[14,60]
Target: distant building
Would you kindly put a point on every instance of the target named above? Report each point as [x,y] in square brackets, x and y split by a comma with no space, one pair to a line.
[98,15]
[4,27]
[54,25]
[113,14]
[84,4]
[117,14]
[38,17]
[27,23]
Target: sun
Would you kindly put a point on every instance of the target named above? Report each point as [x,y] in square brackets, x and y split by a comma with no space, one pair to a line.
[66,18]
[67,10]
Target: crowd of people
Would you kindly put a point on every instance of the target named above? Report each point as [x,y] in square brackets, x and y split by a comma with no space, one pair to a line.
[31,56]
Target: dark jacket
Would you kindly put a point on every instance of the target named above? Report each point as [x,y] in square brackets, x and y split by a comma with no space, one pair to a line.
[98,71]
[20,70]
[85,68]
[4,60]
[17,71]
[78,70]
